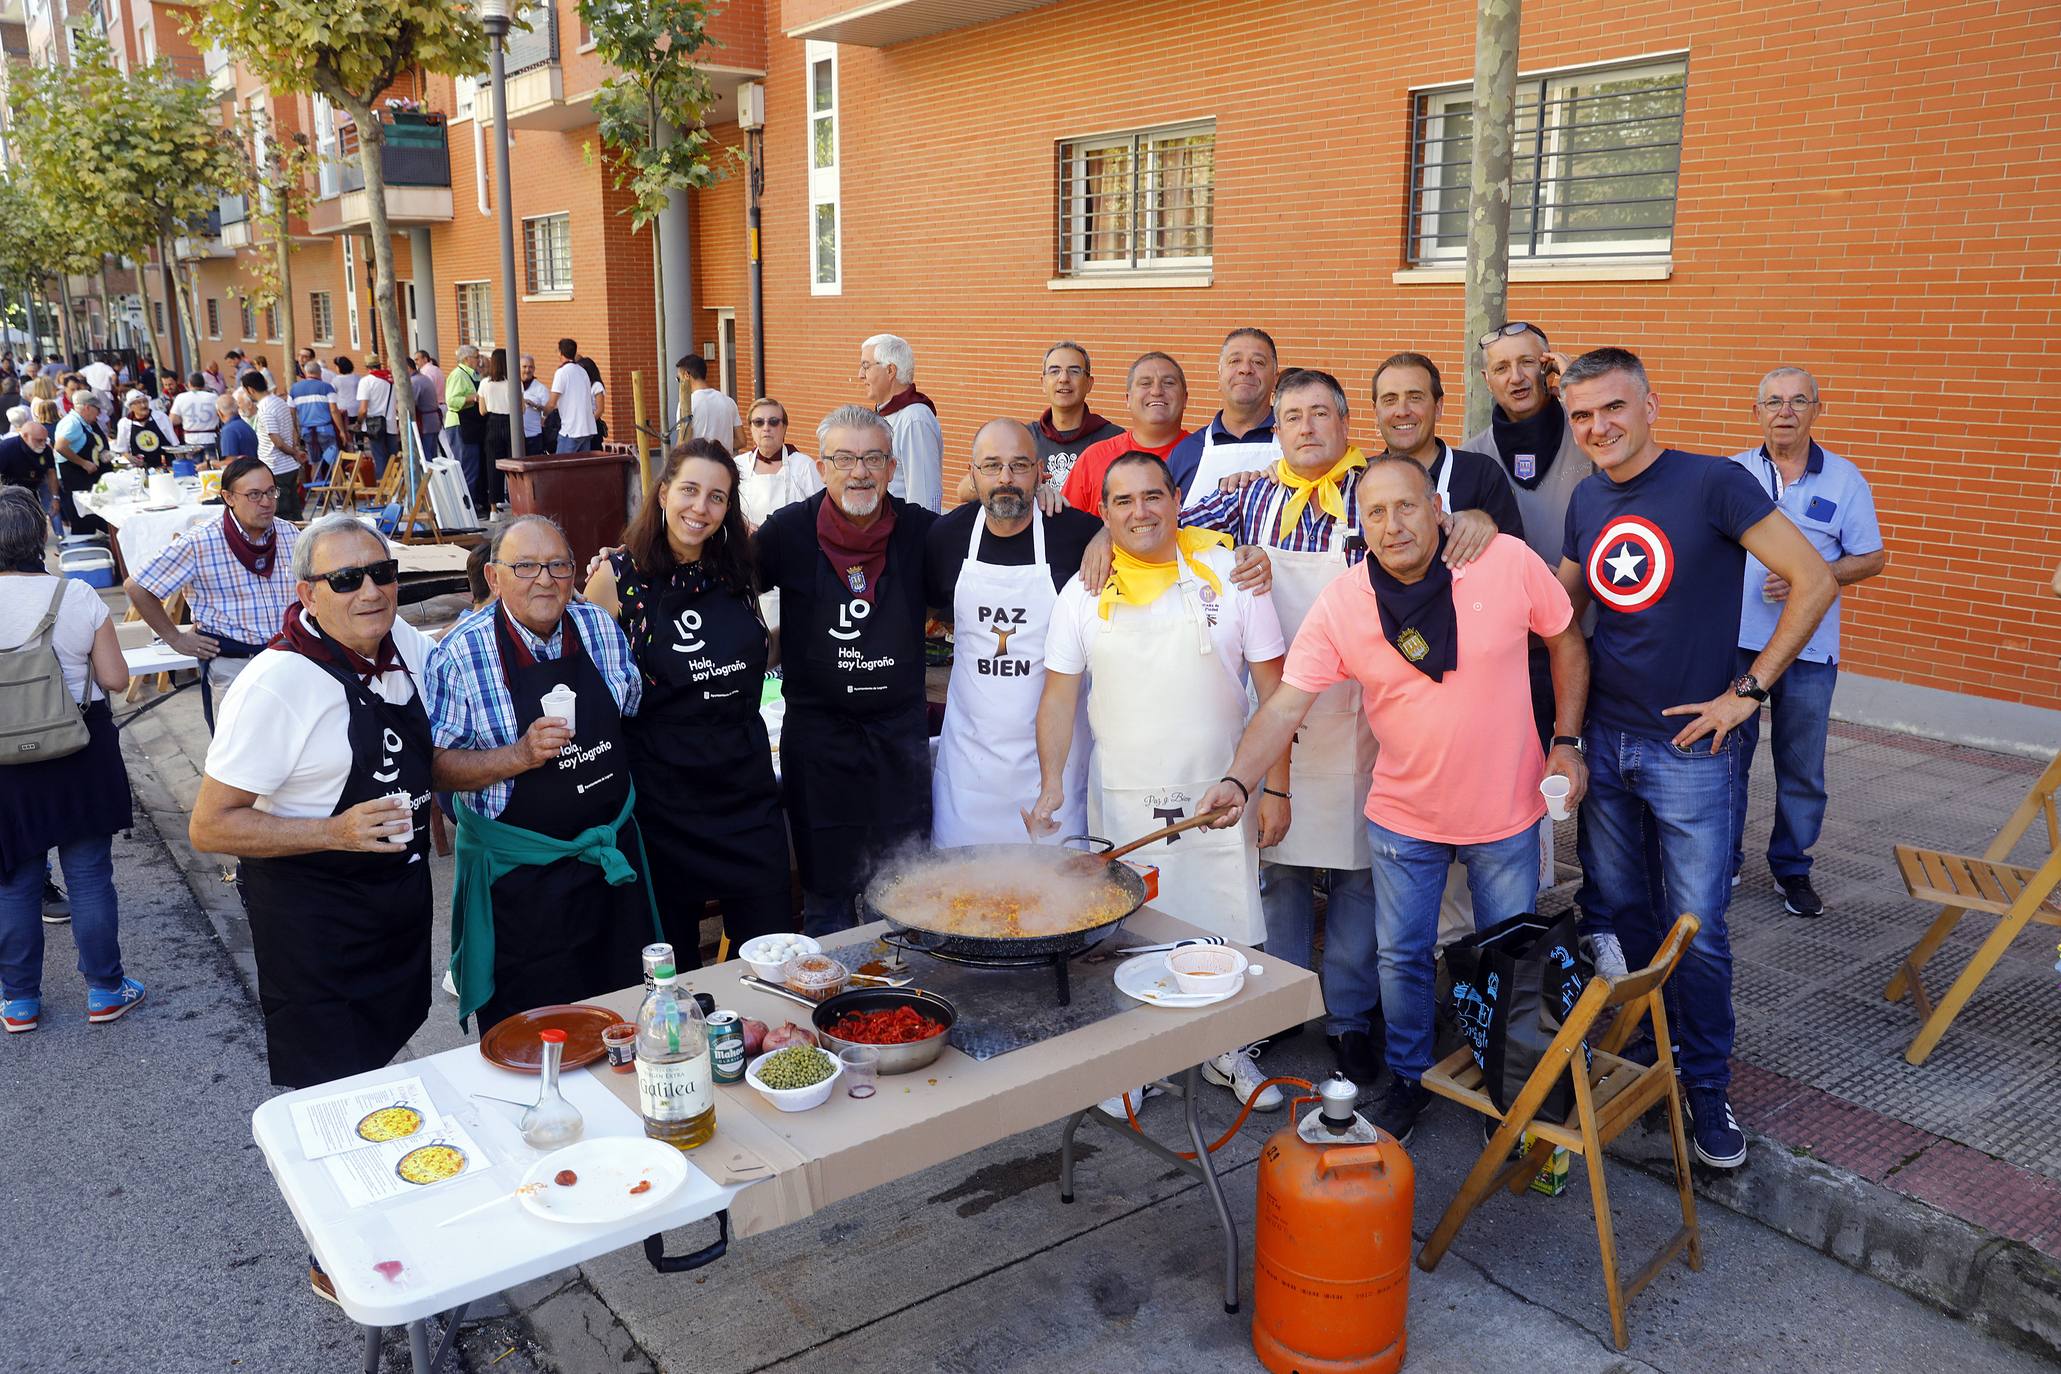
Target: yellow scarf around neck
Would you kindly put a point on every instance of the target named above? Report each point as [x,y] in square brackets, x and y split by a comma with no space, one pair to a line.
[1139,583]
[1328,489]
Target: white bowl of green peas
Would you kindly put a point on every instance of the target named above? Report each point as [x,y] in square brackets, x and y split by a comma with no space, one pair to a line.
[795,1068]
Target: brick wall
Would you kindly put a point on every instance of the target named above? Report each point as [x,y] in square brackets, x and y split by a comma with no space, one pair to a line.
[1866,191]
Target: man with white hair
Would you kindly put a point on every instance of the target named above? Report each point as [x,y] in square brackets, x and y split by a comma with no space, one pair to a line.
[848,563]
[1827,498]
[887,370]
[465,426]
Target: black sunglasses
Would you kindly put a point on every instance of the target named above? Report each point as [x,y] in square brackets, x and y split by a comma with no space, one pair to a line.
[1514,327]
[344,581]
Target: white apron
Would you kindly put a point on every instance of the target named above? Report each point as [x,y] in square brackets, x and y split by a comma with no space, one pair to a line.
[1219,461]
[1166,719]
[987,757]
[1333,758]
[1443,487]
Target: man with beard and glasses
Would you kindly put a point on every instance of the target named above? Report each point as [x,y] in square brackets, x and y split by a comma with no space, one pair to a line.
[995,566]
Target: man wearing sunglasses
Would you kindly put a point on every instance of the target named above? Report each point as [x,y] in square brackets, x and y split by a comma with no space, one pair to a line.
[319,781]
[234,572]
[552,900]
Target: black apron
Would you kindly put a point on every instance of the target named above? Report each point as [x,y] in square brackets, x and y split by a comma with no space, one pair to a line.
[562,931]
[342,939]
[72,479]
[855,774]
[706,796]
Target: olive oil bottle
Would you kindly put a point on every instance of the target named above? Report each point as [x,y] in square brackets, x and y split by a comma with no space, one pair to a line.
[675,1075]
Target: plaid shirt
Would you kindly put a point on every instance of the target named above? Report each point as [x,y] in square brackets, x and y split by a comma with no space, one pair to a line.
[1253,516]
[466,691]
[226,597]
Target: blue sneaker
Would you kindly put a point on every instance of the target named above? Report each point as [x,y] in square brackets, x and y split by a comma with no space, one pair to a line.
[111,1004]
[20,1014]
[1713,1130]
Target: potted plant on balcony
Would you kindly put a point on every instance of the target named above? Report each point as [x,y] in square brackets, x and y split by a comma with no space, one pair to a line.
[407,110]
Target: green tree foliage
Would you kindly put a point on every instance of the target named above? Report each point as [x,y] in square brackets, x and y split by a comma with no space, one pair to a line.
[276,179]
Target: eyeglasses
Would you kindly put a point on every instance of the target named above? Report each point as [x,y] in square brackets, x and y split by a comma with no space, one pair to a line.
[344,581]
[1055,370]
[866,365]
[1775,405]
[767,422]
[526,569]
[263,497]
[873,458]
[1020,467]
[1514,327]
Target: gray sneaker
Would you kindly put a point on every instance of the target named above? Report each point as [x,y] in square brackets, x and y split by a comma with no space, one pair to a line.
[1608,954]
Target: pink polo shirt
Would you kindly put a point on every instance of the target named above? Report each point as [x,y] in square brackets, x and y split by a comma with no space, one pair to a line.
[1460,760]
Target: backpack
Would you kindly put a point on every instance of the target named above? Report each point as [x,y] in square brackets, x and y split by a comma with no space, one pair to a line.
[38,718]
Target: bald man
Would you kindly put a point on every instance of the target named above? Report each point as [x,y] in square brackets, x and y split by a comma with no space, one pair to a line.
[995,566]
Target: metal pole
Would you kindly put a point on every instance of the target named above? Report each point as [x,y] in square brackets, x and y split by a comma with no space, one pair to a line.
[758,270]
[512,349]
[1488,188]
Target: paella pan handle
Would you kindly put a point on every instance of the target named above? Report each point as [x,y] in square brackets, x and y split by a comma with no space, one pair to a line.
[1176,828]
[1095,843]
[906,940]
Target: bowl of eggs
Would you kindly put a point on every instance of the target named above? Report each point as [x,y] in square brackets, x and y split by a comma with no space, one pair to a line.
[768,955]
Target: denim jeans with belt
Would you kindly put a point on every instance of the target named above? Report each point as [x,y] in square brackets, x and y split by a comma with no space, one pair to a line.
[1801,703]
[1409,879]
[1648,798]
[1352,985]
[89,883]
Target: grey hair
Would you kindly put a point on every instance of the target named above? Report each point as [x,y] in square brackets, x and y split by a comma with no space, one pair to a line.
[305,547]
[467,351]
[893,350]
[225,404]
[1787,372]
[22,528]
[1312,379]
[854,416]
[18,416]
[1601,362]
[1086,366]
[529,358]
[311,368]
[502,531]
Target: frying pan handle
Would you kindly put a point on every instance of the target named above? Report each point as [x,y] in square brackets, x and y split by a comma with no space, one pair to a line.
[1191,823]
[1096,844]
[761,985]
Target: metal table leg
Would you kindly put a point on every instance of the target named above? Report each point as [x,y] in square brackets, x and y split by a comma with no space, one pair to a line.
[418,1340]
[1191,1091]
[372,1335]
[1073,1123]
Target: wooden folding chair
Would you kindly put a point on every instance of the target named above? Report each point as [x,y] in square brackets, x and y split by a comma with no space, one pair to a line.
[1961,884]
[340,488]
[1609,1095]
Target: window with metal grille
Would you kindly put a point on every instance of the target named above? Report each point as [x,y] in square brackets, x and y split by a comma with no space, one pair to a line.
[1144,200]
[547,253]
[157,312]
[475,312]
[1595,163]
[826,251]
[249,319]
[272,322]
[321,316]
[214,318]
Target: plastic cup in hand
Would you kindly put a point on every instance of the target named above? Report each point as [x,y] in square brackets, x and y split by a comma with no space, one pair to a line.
[409,802]
[1554,788]
[861,1069]
[559,702]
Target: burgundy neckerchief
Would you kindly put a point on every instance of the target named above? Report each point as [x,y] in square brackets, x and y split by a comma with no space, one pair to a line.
[910,397]
[1090,422]
[256,558]
[301,635]
[857,555]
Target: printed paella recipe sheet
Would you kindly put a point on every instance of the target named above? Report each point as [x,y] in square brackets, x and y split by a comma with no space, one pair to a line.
[422,1161]
[400,1110]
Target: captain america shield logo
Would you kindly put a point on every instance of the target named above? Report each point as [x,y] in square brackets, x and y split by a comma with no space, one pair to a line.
[1630,564]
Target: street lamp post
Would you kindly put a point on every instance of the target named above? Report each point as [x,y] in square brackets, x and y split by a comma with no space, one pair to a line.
[496,16]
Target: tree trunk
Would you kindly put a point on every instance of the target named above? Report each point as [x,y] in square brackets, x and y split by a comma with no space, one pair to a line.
[69,346]
[1488,188]
[176,320]
[158,342]
[107,316]
[371,142]
[282,244]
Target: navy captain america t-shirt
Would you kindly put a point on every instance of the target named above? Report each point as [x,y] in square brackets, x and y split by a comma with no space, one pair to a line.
[1661,558]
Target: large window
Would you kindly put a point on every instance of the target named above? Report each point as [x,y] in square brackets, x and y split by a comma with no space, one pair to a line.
[475,313]
[547,254]
[250,317]
[214,318]
[322,317]
[272,322]
[1596,160]
[1137,201]
[826,233]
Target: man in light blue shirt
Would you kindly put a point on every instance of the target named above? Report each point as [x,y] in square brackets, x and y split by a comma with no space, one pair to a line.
[322,426]
[1827,498]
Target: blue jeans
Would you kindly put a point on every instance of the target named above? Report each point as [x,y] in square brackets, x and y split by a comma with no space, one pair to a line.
[1647,798]
[472,462]
[575,443]
[382,447]
[89,883]
[1352,984]
[1409,879]
[1801,701]
[320,442]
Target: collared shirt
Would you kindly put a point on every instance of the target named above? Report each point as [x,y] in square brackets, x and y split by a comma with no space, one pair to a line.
[311,399]
[1186,456]
[1252,515]
[466,690]
[227,598]
[458,390]
[1835,508]
[275,422]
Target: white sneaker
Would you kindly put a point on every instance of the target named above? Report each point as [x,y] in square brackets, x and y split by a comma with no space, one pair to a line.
[1238,1071]
[1609,955]
[1115,1105]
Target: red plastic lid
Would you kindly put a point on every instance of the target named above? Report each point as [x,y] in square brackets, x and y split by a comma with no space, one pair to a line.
[552,1037]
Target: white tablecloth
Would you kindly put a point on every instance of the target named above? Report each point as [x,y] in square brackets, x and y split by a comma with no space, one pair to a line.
[144,534]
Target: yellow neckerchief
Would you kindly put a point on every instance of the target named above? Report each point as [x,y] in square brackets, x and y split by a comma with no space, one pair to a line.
[1140,583]
[1329,489]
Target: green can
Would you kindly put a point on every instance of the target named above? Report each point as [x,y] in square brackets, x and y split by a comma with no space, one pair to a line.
[726,1047]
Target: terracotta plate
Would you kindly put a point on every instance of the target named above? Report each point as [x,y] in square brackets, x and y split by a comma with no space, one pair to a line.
[513,1043]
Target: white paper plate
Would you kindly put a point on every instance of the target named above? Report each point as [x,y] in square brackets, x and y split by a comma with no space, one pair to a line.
[608,1167]
[1147,978]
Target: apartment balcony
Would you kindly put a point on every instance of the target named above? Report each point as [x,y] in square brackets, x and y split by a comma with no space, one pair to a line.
[203,239]
[233,214]
[536,79]
[883,23]
[416,160]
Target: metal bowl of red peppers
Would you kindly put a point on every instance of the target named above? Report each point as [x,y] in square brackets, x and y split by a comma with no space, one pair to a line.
[907,1025]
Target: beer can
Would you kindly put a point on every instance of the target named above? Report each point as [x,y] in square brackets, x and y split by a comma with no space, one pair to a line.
[654,955]
[726,1046]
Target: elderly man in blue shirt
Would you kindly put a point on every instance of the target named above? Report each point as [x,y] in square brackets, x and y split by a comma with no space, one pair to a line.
[526,698]
[1827,498]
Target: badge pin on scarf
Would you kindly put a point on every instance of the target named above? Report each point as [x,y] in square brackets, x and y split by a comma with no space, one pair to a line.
[1527,466]
[855,577]
[1412,645]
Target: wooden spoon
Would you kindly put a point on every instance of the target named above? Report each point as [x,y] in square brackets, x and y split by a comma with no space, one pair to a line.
[1176,828]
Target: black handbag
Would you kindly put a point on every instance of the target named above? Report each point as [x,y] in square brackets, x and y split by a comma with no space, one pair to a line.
[1513,985]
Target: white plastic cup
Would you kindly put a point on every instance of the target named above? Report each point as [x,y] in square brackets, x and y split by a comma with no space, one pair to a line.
[409,802]
[559,702]
[1554,788]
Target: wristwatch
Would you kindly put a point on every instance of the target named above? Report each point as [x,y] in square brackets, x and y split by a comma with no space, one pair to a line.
[1749,686]
[1573,742]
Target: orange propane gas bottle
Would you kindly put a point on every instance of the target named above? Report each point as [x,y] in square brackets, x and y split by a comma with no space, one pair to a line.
[1331,1255]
